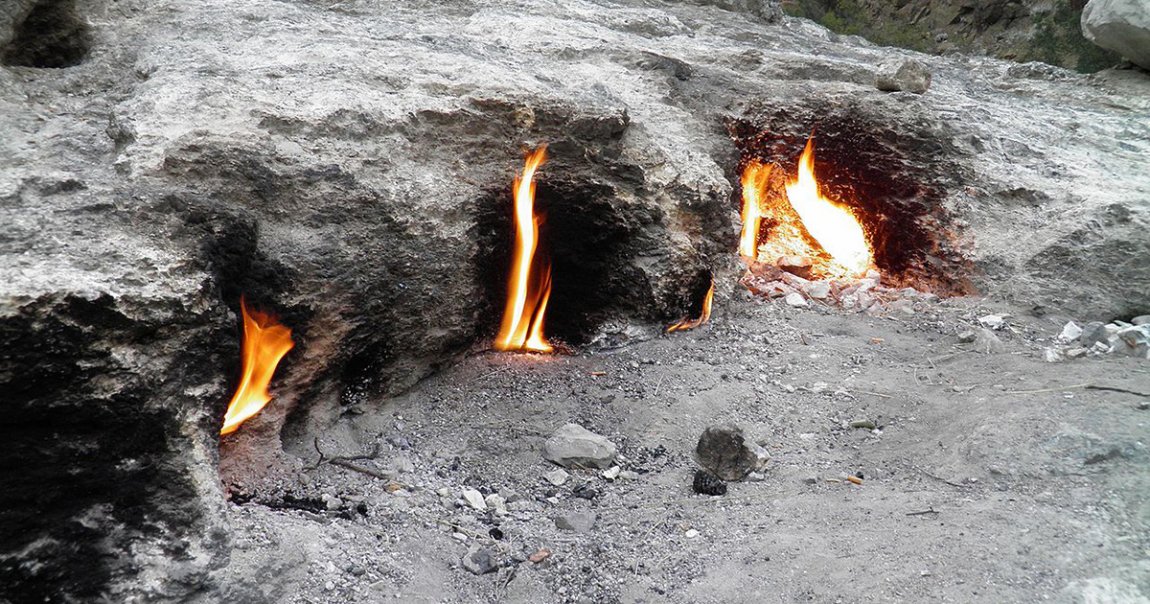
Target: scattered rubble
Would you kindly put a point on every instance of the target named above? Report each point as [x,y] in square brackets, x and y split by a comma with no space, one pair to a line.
[725,452]
[1097,338]
[573,446]
[906,75]
[790,278]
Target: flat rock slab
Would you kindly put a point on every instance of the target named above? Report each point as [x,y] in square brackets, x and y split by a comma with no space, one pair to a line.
[573,446]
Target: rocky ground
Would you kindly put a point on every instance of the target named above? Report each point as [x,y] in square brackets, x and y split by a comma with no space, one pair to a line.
[346,164]
[990,475]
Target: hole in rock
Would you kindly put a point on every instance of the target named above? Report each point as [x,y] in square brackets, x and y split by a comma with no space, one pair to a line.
[53,35]
[890,181]
[591,238]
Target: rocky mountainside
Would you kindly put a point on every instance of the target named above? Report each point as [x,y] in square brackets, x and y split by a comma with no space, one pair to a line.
[347,165]
[1019,30]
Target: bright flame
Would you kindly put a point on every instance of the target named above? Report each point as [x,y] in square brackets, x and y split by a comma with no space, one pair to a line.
[265,343]
[687,323]
[833,226]
[522,326]
[755,177]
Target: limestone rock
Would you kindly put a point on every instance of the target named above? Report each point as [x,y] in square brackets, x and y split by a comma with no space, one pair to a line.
[725,452]
[573,446]
[907,75]
[1122,26]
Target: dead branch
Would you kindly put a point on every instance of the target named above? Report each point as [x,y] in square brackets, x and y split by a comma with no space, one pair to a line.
[1078,387]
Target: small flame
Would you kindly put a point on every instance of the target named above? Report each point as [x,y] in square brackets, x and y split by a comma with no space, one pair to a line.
[687,323]
[266,342]
[833,226]
[755,177]
[522,326]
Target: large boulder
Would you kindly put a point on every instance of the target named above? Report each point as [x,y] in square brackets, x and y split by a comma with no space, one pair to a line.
[1122,26]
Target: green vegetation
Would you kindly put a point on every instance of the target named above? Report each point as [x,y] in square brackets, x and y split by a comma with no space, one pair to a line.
[1057,37]
[849,17]
[1058,40]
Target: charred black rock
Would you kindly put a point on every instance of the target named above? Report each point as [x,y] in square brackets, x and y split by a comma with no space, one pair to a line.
[706,483]
[724,451]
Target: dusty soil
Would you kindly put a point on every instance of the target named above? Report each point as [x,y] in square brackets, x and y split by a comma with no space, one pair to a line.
[992,476]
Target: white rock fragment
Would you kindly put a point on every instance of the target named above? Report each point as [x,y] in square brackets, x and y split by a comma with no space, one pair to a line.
[818,290]
[994,322]
[903,75]
[1070,332]
[691,534]
[573,445]
[796,300]
[497,503]
[556,477]
[611,473]
[474,499]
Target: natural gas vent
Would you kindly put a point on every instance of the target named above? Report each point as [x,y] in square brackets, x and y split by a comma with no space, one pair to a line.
[591,239]
[52,35]
[893,184]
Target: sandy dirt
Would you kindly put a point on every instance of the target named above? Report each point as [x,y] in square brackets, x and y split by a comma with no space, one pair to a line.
[991,476]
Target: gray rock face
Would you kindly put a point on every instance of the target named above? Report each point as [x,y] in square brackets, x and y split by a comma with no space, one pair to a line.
[1122,26]
[726,453]
[908,75]
[573,446]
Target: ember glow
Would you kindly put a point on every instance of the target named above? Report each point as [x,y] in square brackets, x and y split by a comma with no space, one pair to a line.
[704,316]
[266,342]
[529,285]
[755,177]
[833,226]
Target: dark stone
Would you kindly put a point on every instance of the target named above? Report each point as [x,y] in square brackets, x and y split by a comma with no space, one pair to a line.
[479,561]
[725,452]
[706,483]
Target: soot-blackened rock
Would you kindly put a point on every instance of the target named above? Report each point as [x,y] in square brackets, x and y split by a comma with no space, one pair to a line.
[725,452]
[706,483]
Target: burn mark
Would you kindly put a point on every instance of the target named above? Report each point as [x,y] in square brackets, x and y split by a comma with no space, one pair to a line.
[53,35]
[894,176]
[86,452]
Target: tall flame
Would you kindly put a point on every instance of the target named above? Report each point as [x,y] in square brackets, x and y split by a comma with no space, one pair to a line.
[833,226]
[704,316]
[755,177]
[527,294]
[266,342]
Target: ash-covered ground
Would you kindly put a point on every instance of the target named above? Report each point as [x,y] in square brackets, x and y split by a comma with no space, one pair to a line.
[991,475]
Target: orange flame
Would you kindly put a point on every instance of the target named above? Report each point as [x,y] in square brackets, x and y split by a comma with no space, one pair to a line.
[833,226]
[266,341]
[687,323]
[522,326]
[755,177]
